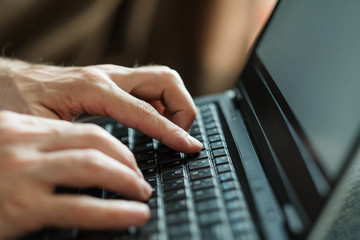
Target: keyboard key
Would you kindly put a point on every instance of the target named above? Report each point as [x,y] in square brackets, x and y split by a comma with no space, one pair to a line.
[219,152]
[206,112]
[119,130]
[213,131]
[149,227]
[138,133]
[176,206]
[221,160]
[230,195]
[217,145]
[151,180]
[182,230]
[149,172]
[176,218]
[202,163]
[204,194]
[238,216]
[143,147]
[153,215]
[207,205]
[142,236]
[173,174]
[174,184]
[215,232]
[146,164]
[164,149]
[208,218]
[208,120]
[199,137]
[201,173]
[175,195]
[140,140]
[152,202]
[182,237]
[202,183]
[204,108]
[229,185]
[124,140]
[169,157]
[172,165]
[225,176]
[244,230]
[235,204]
[200,155]
[195,131]
[195,123]
[223,168]
[146,155]
[210,125]
[214,138]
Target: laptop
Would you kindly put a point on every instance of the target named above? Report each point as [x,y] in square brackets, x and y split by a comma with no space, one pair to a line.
[281,150]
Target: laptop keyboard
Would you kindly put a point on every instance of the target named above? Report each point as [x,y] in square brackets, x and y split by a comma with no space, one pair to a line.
[195,196]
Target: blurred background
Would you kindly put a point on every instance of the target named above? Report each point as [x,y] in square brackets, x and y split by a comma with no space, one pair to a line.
[206,41]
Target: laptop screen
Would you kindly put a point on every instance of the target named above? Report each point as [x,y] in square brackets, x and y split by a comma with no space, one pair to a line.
[313,58]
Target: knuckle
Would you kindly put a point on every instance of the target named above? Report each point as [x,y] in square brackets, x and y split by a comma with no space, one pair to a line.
[93,131]
[92,160]
[172,75]
[146,109]
[10,159]
[6,116]
[107,66]
[93,76]
[89,73]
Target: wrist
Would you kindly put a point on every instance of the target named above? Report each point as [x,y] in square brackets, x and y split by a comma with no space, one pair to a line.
[7,64]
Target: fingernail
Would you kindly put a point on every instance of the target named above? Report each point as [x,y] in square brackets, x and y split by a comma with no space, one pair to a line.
[193,141]
[147,189]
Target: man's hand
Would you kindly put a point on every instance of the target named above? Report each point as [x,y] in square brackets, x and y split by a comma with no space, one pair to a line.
[152,99]
[38,154]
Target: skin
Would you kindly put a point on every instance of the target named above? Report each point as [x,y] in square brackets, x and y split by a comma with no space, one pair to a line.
[40,151]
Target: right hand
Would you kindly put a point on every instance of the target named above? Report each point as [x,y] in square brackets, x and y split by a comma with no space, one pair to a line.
[38,154]
[152,99]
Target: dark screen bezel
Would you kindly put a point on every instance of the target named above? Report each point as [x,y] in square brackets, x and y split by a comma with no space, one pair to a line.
[268,102]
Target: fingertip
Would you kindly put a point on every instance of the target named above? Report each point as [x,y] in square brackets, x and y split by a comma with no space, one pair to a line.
[141,213]
[195,145]
[146,189]
[182,141]
[138,171]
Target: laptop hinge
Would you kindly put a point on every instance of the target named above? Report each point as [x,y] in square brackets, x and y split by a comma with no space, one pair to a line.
[238,97]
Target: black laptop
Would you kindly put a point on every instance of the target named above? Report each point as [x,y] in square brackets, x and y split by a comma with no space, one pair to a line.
[276,148]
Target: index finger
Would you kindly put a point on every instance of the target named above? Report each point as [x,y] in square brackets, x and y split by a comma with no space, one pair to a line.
[165,84]
[138,114]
